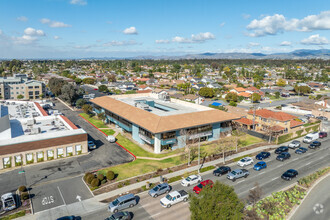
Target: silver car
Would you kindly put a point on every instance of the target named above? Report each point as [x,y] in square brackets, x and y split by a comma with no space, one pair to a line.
[123,202]
[159,190]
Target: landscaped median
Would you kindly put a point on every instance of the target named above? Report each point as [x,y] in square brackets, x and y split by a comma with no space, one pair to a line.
[280,204]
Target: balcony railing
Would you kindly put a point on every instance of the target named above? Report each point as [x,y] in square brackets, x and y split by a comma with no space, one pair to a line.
[168,141]
[201,134]
[146,139]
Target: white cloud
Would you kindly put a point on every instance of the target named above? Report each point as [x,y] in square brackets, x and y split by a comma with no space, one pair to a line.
[22,18]
[130,30]
[222,24]
[56,37]
[254,44]
[33,32]
[78,2]
[120,43]
[246,16]
[30,35]
[285,43]
[272,25]
[195,38]
[315,40]
[162,41]
[181,40]
[54,24]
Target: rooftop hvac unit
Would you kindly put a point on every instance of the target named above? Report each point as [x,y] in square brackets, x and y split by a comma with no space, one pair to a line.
[30,122]
[164,96]
[142,105]
[36,130]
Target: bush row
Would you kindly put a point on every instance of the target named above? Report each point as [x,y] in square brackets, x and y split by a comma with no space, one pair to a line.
[96,180]
[308,180]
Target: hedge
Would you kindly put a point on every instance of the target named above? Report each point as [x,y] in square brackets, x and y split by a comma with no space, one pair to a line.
[308,180]
[308,129]
[204,169]
[284,138]
[174,179]
[299,132]
[315,128]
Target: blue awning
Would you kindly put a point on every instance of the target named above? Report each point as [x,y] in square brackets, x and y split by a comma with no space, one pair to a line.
[216,104]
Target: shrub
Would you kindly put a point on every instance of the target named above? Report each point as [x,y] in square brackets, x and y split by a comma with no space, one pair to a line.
[95,182]
[159,170]
[22,189]
[299,132]
[120,185]
[308,129]
[127,182]
[86,175]
[90,178]
[110,175]
[24,196]
[315,128]
[100,177]
[174,179]
[284,138]
[204,169]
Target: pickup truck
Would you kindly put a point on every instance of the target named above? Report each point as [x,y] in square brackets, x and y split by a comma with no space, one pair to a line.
[174,198]
[235,174]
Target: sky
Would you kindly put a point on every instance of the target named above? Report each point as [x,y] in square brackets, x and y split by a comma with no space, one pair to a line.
[55,29]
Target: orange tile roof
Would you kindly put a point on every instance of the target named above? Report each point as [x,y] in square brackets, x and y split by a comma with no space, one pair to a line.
[276,128]
[246,121]
[157,124]
[294,123]
[244,94]
[280,116]
[252,88]
[73,126]
[42,110]
[143,86]
[240,89]
[144,91]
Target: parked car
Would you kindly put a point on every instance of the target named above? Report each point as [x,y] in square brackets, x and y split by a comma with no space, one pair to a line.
[322,118]
[173,198]
[122,202]
[159,190]
[260,165]
[221,170]
[294,144]
[309,116]
[301,150]
[281,150]
[262,155]
[190,180]
[314,145]
[206,183]
[289,174]
[311,137]
[120,216]
[71,217]
[238,173]
[323,134]
[245,161]
[283,156]
[8,202]
[91,145]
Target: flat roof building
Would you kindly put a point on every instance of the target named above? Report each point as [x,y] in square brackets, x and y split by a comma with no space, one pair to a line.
[29,135]
[163,123]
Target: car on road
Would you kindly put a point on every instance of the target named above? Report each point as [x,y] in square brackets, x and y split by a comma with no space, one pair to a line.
[281,149]
[221,170]
[314,145]
[122,202]
[301,150]
[323,134]
[289,174]
[206,183]
[8,202]
[262,155]
[283,156]
[309,116]
[311,137]
[120,216]
[191,180]
[91,145]
[245,161]
[260,165]
[294,144]
[95,89]
[72,217]
[173,198]
[159,190]
[322,118]
[238,173]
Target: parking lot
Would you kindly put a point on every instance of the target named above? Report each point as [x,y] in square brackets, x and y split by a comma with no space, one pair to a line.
[60,193]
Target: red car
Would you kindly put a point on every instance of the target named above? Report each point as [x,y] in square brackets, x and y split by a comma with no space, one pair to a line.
[323,134]
[95,89]
[197,189]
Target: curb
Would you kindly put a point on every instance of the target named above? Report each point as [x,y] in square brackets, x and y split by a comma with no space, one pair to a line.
[294,210]
[82,179]
[126,150]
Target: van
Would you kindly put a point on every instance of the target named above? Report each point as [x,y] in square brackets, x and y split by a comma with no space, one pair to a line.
[122,202]
[111,139]
[311,137]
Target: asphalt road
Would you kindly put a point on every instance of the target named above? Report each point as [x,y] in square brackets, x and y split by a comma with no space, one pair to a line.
[90,90]
[274,103]
[316,206]
[268,179]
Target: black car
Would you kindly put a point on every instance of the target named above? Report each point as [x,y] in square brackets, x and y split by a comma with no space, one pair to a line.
[314,144]
[120,216]
[301,150]
[289,174]
[221,170]
[283,156]
[262,155]
[281,150]
[322,118]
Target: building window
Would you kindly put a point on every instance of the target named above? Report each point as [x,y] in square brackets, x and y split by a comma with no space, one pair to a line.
[36,87]
[200,129]
[6,162]
[17,87]
[30,93]
[37,92]
[40,156]
[30,87]
[22,87]
[169,135]
[50,155]
[69,151]
[29,158]
[60,152]
[146,133]
[78,149]
[18,160]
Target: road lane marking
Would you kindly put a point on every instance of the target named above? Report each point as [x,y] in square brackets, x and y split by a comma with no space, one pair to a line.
[275,178]
[308,163]
[295,159]
[152,216]
[241,181]
[61,195]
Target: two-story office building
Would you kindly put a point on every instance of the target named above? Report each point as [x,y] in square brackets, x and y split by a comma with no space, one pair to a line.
[161,122]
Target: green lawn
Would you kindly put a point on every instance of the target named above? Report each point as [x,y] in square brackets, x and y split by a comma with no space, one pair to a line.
[138,151]
[108,131]
[98,123]
[141,166]
[13,216]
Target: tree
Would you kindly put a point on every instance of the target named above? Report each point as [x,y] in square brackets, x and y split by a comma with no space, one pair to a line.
[101,116]
[103,88]
[89,81]
[42,96]
[112,78]
[20,96]
[78,81]
[218,202]
[256,97]
[69,93]
[87,108]
[232,103]
[80,103]
[55,85]
[302,89]
[255,194]
[231,97]
[281,82]
[189,138]
[206,92]
[277,95]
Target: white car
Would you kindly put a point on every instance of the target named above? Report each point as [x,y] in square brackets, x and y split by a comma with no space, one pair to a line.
[245,161]
[8,202]
[190,180]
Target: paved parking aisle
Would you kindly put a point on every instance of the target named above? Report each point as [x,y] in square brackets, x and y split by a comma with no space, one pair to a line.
[58,194]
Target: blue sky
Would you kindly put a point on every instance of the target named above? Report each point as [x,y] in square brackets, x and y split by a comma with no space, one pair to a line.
[106,28]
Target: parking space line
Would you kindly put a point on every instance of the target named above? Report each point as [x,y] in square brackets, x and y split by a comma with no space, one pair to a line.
[61,195]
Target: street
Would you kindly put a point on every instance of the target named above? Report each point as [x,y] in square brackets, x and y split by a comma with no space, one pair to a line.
[269,180]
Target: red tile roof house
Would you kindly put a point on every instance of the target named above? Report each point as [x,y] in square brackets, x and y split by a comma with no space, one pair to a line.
[279,121]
